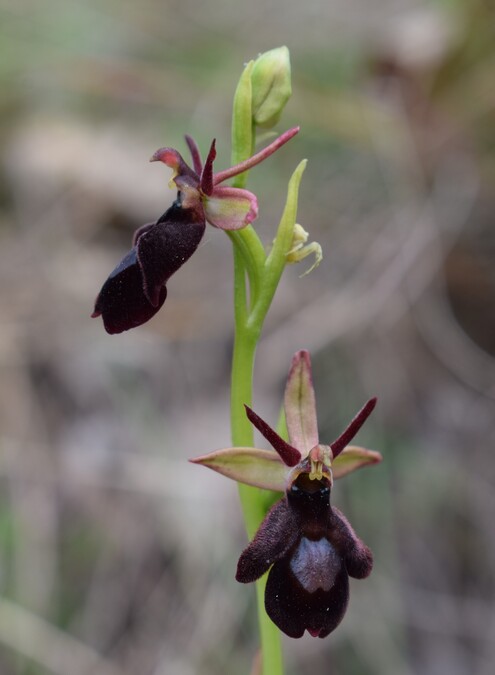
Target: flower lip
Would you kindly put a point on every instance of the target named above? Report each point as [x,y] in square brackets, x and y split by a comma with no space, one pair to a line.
[136,288]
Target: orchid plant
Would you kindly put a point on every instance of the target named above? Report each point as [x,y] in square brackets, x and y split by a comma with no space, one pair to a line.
[306,545]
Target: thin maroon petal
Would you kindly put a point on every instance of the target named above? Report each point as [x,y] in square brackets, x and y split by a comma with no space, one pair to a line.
[346,436]
[195,154]
[257,158]
[121,302]
[164,248]
[207,175]
[275,537]
[289,455]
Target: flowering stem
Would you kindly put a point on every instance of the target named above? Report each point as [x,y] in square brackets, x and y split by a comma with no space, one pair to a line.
[251,303]
[250,310]
[252,499]
[248,245]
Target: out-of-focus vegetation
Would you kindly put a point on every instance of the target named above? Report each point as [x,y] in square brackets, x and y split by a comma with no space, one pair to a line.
[116,556]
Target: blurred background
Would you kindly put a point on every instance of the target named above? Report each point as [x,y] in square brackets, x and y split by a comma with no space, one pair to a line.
[117,557]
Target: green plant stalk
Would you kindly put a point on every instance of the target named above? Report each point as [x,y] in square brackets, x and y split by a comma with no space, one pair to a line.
[252,502]
[251,304]
[264,275]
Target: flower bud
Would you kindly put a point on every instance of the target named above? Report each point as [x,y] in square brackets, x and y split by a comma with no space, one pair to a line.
[271,86]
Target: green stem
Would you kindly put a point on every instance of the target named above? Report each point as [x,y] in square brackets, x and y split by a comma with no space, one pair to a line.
[248,244]
[264,275]
[252,499]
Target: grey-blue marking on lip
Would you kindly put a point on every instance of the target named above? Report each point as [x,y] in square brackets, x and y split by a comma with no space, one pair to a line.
[315,564]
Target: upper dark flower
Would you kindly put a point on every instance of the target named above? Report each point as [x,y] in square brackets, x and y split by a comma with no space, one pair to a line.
[308,545]
[136,289]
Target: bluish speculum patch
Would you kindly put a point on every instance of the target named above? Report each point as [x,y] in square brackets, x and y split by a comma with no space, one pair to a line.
[315,564]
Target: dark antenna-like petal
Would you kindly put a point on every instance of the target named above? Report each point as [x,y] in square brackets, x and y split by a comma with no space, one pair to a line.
[288,454]
[346,436]
[195,154]
[207,175]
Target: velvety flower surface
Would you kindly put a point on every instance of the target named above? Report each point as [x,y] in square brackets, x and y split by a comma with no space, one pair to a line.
[136,289]
[311,550]
[306,544]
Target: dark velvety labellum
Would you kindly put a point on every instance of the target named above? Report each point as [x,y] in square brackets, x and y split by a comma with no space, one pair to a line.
[276,536]
[135,290]
[294,609]
[166,246]
[312,550]
[121,301]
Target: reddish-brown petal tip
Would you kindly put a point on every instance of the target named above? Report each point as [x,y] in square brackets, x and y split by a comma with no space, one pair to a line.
[207,174]
[288,454]
[348,434]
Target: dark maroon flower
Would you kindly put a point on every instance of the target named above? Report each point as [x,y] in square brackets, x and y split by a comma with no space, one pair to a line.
[136,290]
[309,545]
[312,550]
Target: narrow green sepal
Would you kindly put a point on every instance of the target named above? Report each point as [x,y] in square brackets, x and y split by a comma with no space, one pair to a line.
[252,466]
[352,458]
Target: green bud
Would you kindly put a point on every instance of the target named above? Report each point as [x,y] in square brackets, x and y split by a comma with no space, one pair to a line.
[271,86]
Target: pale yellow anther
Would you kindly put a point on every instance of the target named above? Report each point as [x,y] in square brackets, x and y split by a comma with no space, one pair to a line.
[320,457]
[301,250]
[316,472]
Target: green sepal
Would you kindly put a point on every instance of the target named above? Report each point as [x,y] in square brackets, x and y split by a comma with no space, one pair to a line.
[353,457]
[251,466]
[300,404]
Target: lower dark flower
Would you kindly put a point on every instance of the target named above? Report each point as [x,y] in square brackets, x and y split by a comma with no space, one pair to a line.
[135,290]
[312,550]
[309,546]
